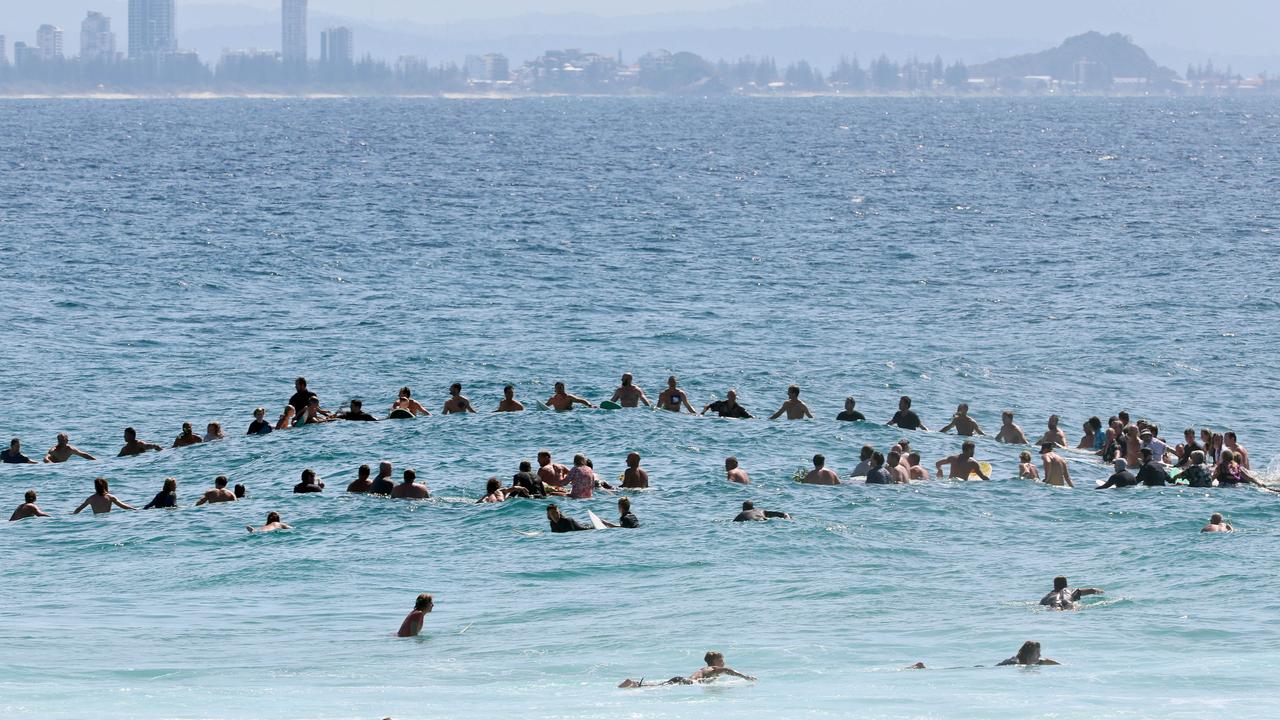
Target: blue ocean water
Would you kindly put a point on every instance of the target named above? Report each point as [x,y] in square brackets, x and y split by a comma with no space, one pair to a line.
[183,261]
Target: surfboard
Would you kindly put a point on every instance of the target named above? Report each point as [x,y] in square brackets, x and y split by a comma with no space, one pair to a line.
[610,405]
[596,522]
[986,470]
[539,405]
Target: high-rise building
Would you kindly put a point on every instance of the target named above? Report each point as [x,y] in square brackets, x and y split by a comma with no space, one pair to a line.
[49,42]
[97,42]
[497,68]
[24,55]
[151,29]
[337,47]
[4,55]
[293,31]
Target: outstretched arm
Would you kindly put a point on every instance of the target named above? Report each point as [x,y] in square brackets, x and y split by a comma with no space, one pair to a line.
[81,453]
[949,426]
[123,506]
[778,414]
[1081,592]
[83,505]
[580,401]
[776,514]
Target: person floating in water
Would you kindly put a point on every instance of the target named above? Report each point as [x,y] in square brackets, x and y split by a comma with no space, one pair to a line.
[406,407]
[14,456]
[213,431]
[362,484]
[382,484]
[634,477]
[1121,478]
[735,474]
[628,395]
[409,488]
[561,523]
[1056,471]
[307,484]
[1010,433]
[962,423]
[793,407]
[509,403]
[751,514]
[495,493]
[301,397]
[849,414]
[728,407]
[457,402]
[714,668]
[412,624]
[134,446]
[355,412]
[1053,435]
[28,508]
[1152,472]
[186,437]
[219,493]
[259,426]
[626,518]
[1066,598]
[562,401]
[1217,525]
[273,524]
[1028,654]
[906,418]
[674,399]
[963,466]
[166,498]
[1027,469]
[101,500]
[821,474]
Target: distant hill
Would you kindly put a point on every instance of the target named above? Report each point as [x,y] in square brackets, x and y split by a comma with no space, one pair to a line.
[1116,53]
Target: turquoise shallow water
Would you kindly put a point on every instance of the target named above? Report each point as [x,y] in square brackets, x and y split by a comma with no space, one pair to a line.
[184,261]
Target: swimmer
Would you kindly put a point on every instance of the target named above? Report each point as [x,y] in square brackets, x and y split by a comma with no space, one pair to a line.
[628,395]
[301,397]
[792,406]
[101,500]
[355,412]
[878,475]
[906,418]
[1217,525]
[314,414]
[412,624]
[457,402]
[508,403]
[673,398]
[1010,433]
[562,401]
[714,668]
[273,524]
[527,481]
[581,479]
[494,492]
[166,498]
[626,518]
[751,514]
[963,466]
[1056,471]
[285,421]
[1195,473]
[1131,446]
[849,414]
[1231,443]
[916,472]
[187,437]
[962,423]
[406,407]
[821,474]
[735,474]
[409,488]
[382,484]
[634,476]
[1065,598]
[218,494]
[561,523]
[28,508]
[864,461]
[134,446]
[553,475]
[259,426]
[728,407]
[1053,434]
[1093,435]
[1152,473]
[14,456]
[362,484]
[241,492]
[307,484]
[894,465]
[213,431]
[64,451]
[1027,469]
[1028,654]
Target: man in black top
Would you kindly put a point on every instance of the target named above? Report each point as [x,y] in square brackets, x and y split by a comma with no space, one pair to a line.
[301,398]
[1152,473]
[728,407]
[357,413]
[626,518]
[563,524]
[527,480]
[1121,477]
[14,456]
[906,418]
[309,483]
[849,414]
[877,475]
[259,426]
[751,514]
[382,485]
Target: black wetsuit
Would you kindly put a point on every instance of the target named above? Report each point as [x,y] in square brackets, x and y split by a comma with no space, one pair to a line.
[305,487]
[1120,479]
[14,458]
[361,416]
[853,416]
[259,427]
[906,419]
[629,521]
[568,524]
[300,400]
[1153,474]
[721,408]
[163,499]
[530,482]
[381,486]
[879,476]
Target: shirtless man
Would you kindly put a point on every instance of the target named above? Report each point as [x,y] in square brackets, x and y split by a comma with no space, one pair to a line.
[562,401]
[273,524]
[793,407]
[64,451]
[963,466]
[406,407]
[1053,434]
[1065,598]
[1056,471]
[715,668]
[309,483]
[1027,469]
[101,500]
[1029,654]
[1131,446]
[1010,433]
[553,475]
[314,414]
[28,508]
[1230,442]
[409,488]
[508,403]
[820,474]
[218,494]
[134,446]
[362,484]
[381,483]
[751,514]
[674,399]
[14,456]
[412,624]
[962,423]
[917,472]
[187,437]
[906,418]
[735,474]
[1217,524]
[628,395]
[634,476]
[894,466]
[457,402]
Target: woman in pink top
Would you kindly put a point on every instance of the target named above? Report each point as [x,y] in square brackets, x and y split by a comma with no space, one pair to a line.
[581,478]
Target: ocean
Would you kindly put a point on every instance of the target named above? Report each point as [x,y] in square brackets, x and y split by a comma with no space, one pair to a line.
[171,261]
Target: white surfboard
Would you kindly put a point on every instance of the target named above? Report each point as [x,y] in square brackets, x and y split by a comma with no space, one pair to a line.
[596,522]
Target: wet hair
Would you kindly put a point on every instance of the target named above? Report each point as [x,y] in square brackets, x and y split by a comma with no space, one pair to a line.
[130,433]
[968,446]
[405,392]
[1024,456]
[221,480]
[866,453]
[300,381]
[455,386]
[1197,456]
[793,390]
[30,496]
[363,472]
[1227,456]
[914,456]
[895,457]
[904,401]
[624,504]
[579,460]
[731,459]
[819,460]
[423,602]
[241,490]
[357,402]
[877,458]
[635,455]
[259,411]
[1060,583]
[410,475]
[1229,435]
[186,428]
[544,453]
[309,475]
[1095,422]
[492,486]
[525,466]
[748,505]
[591,464]
[850,401]
[1215,519]
[1123,416]
[273,516]
[508,389]
[552,507]
[712,656]
[170,484]
[14,441]
[100,486]
[1028,649]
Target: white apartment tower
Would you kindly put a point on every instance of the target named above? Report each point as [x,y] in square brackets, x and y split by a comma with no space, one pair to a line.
[49,42]
[97,42]
[293,28]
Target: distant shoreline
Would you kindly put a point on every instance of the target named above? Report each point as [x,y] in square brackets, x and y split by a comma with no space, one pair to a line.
[525,96]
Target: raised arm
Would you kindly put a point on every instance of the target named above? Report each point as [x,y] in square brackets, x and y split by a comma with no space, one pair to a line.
[940,463]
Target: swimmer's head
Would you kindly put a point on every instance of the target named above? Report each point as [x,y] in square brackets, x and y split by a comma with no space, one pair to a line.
[525,466]
[633,460]
[819,460]
[731,396]
[730,463]
[405,392]
[384,468]
[968,448]
[100,486]
[877,459]
[579,460]
[410,475]
[1197,457]
[221,481]
[1046,448]
[170,484]
[508,392]
[273,517]
[895,457]
[14,444]
[492,486]
[424,603]
[713,658]
[362,472]
[904,402]
[240,490]
[356,405]
[794,391]
[748,505]
[671,382]
[553,512]
[259,413]
[962,409]
[455,388]
[624,504]
[1006,416]
[1060,583]
[308,476]
[1121,465]
[849,403]
[1053,421]
[1215,519]
[130,434]
[626,379]
[544,457]
[30,496]
[300,383]
[559,386]
[186,428]
[1094,422]
[1029,653]
[913,458]
[1024,456]
[866,453]
[63,439]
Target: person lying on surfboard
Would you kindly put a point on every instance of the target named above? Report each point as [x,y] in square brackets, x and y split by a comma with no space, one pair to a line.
[714,668]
